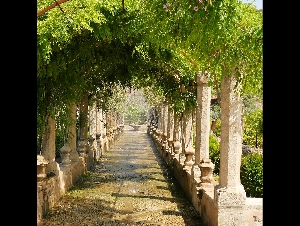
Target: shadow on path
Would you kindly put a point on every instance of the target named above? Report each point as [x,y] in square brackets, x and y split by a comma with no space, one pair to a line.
[130,185]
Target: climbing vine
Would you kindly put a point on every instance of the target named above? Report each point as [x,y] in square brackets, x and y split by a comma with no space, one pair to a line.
[90,46]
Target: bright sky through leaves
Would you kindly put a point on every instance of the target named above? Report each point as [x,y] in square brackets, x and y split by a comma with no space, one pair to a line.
[257,3]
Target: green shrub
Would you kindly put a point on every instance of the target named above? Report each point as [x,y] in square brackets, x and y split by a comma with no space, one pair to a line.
[135,114]
[215,111]
[59,143]
[217,130]
[252,174]
[253,129]
[214,152]
[251,168]
[135,108]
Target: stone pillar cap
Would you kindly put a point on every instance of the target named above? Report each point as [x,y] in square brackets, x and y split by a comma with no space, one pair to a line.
[41,160]
[205,160]
[65,149]
[202,77]
[206,163]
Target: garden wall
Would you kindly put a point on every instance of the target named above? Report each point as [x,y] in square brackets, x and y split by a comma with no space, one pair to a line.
[203,197]
[51,188]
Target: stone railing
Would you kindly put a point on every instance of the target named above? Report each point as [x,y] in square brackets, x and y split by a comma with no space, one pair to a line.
[202,192]
[51,187]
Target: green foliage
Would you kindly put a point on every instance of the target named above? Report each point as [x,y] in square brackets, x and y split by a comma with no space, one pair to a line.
[217,130]
[222,36]
[214,152]
[136,109]
[252,174]
[253,129]
[251,168]
[153,96]
[135,114]
[94,45]
[215,111]
[252,121]
[110,97]
[250,104]
[60,140]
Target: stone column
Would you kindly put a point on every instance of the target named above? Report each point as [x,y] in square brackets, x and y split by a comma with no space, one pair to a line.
[109,128]
[187,144]
[98,133]
[154,121]
[114,126]
[41,167]
[93,128]
[120,123]
[230,192]
[202,122]
[165,126]
[177,136]
[99,147]
[65,155]
[160,114]
[152,117]
[103,130]
[83,116]
[159,130]
[48,146]
[170,129]
[72,135]
[82,146]
[206,175]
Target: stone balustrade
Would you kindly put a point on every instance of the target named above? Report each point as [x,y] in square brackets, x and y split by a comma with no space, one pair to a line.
[219,203]
[53,178]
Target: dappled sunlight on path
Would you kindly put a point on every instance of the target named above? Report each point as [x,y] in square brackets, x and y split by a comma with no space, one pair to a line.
[130,185]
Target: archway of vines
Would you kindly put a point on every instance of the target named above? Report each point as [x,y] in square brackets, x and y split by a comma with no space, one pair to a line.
[99,47]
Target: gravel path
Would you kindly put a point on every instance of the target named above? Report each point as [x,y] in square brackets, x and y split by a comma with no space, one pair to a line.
[130,185]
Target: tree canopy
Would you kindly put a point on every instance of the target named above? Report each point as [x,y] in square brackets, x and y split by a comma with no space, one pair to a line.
[90,46]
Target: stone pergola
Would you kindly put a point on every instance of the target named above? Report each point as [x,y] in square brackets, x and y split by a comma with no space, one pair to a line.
[219,203]
[222,202]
